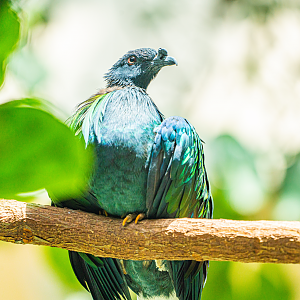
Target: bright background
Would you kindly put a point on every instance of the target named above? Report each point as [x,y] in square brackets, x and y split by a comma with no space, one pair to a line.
[238,83]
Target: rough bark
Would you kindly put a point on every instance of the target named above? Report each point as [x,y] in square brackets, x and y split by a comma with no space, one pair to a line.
[172,239]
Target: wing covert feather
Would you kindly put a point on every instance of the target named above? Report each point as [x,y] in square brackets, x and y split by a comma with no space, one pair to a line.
[178,187]
[177,177]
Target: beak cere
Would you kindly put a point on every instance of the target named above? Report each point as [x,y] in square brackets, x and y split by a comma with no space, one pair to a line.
[162,53]
[162,59]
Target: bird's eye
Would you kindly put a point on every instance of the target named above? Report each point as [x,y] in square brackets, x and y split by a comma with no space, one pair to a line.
[131,60]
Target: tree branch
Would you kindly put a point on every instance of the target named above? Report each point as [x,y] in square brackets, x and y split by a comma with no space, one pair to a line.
[172,239]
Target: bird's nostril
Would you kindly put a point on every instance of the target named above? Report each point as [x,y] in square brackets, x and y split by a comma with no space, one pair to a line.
[162,53]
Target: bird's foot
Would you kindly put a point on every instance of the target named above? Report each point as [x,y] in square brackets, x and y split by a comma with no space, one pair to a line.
[139,217]
[130,217]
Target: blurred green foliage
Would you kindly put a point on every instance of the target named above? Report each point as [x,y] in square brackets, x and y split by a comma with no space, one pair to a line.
[9,34]
[287,207]
[58,260]
[235,281]
[38,151]
[260,10]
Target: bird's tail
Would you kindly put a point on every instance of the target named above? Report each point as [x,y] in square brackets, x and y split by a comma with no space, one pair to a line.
[188,278]
[102,277]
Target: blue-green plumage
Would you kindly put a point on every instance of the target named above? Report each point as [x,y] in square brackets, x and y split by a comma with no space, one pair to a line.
[143,165]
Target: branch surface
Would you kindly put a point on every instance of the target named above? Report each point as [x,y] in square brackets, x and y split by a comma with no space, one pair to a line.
[172,239]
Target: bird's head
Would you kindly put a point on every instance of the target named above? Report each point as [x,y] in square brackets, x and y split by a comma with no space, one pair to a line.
[138,67]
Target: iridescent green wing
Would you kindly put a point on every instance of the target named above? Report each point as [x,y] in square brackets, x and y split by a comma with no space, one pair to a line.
[178,187]
[177,181]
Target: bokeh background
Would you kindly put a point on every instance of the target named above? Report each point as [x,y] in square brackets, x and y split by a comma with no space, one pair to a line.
[238,83]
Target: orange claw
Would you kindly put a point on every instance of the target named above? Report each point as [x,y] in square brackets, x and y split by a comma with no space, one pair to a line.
[128,219]
[125,221]
[139,217]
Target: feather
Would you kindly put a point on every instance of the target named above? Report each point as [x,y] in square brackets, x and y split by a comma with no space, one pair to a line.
[182,189]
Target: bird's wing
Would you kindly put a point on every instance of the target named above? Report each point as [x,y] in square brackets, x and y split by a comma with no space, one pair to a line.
[103,277]
[178,187]
[177,183]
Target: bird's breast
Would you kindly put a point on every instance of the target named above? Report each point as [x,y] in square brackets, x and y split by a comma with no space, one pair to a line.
[123,145]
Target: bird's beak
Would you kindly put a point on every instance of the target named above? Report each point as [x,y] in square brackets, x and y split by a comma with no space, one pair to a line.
[162,59]
[169,61]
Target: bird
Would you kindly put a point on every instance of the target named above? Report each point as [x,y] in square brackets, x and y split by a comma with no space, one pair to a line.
[145,166]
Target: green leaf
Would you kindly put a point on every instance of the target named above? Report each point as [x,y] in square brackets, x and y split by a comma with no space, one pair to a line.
[39,151]
[9,34]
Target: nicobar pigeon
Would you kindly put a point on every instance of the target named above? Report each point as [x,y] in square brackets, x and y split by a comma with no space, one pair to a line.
[146,166]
